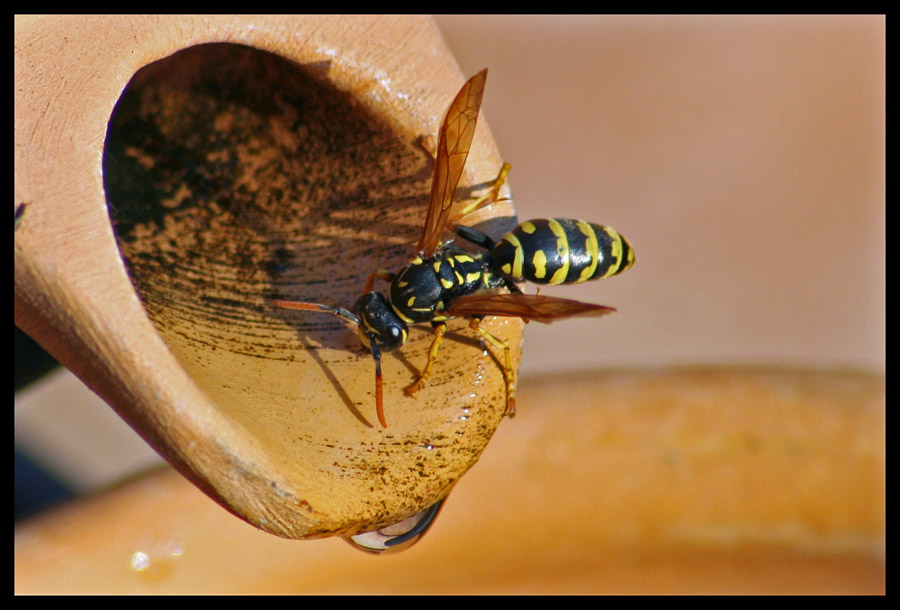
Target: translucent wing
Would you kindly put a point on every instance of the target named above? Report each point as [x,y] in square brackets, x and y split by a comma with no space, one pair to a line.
[454,141]
[529,307]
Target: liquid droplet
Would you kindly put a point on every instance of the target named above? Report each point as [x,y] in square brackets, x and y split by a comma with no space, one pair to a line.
[399,536]
[140,561]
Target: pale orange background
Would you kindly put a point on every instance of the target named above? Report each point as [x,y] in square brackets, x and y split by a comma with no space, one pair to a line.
[743,157]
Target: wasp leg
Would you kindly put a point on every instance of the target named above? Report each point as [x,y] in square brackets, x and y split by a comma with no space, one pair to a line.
[486,199]
[387,276]
[474,236]
[439,329]
[513,288]
[508,371]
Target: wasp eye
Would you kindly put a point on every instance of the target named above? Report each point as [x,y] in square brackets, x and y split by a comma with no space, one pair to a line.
[392,335]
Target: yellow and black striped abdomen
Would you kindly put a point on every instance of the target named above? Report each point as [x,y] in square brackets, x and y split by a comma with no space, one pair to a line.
[561,251]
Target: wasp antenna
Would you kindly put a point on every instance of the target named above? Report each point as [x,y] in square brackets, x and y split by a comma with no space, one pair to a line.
[379,392]
[337,311]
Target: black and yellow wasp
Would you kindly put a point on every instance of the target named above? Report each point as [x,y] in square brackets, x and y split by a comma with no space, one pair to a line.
[444,281]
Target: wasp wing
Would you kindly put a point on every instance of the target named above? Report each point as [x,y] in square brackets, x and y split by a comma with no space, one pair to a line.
[454,141]
[529,307]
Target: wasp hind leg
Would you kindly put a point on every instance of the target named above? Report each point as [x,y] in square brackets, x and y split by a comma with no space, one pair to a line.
[486,199]
[506,364]
[439,329]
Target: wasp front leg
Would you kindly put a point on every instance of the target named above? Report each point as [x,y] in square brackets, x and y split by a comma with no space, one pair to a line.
[509,372]
[387,276]
[439,329]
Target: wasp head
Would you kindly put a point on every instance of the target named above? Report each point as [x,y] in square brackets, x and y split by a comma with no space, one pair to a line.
[378,320]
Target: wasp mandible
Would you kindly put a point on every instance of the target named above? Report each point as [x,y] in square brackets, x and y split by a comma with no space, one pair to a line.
[444,281]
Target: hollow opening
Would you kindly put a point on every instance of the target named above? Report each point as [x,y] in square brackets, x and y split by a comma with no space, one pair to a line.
[234,176]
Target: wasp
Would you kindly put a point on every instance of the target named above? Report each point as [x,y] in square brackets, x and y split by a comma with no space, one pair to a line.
[445,281]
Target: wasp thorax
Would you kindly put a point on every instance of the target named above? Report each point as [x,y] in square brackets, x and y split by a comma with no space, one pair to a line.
[377,318]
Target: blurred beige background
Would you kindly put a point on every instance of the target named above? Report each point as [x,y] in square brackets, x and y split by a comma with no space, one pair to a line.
[743,158]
